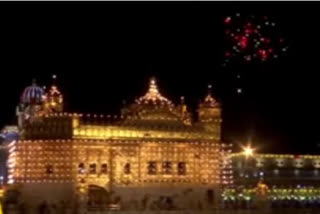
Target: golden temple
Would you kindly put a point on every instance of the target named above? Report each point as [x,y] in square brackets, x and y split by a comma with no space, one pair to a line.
[152,150]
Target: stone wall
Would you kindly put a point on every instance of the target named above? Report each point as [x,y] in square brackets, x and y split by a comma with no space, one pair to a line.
[51,193]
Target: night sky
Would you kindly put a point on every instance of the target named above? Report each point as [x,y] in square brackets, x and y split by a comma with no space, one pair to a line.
[106,52]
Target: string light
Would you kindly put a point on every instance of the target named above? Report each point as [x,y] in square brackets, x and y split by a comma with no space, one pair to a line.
[198,152]
[154,97]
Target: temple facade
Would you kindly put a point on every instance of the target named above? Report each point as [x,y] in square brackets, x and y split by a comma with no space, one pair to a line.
[151,156]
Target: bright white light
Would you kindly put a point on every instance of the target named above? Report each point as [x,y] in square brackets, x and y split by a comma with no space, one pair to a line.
[248,151]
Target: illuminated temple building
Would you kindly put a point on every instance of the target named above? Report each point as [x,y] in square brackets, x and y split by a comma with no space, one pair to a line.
[152,153]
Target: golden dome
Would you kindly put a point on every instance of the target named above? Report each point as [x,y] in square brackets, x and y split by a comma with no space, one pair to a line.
[153,97]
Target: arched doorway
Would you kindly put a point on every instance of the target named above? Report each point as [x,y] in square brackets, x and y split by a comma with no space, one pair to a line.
[98,197]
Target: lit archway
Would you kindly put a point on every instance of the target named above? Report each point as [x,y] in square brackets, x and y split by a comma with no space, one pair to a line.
[98,197]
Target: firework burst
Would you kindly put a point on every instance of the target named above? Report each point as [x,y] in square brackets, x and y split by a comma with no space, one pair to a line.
[252,39]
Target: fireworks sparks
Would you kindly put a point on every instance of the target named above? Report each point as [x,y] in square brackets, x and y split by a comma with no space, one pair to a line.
[252,38]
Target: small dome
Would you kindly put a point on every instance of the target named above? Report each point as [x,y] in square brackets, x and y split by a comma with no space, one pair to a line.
[54,91]
[209,101]
[32,94]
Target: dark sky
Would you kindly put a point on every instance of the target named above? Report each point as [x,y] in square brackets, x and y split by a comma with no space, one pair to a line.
[105,52]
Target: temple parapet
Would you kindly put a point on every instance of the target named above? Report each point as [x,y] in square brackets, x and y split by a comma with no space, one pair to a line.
[94,126]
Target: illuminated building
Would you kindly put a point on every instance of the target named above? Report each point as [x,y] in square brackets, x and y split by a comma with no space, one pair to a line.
[152,153]
[273,181]
[281,170]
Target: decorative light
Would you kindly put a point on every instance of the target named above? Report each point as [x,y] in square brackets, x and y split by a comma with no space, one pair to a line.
[248,151]
[153,95]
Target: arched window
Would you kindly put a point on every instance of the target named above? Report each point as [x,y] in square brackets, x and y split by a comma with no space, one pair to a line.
[104,168]
[152,168]
[127,168]
[92,168]
[81,168]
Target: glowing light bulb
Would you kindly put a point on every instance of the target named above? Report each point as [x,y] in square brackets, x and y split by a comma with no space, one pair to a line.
[248,151]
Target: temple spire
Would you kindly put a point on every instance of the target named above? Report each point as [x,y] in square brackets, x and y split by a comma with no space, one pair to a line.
[54,98]
[153,95]
[182,100]
[153,89]
[54,78]
[54,91]
[209,89]
[209,100]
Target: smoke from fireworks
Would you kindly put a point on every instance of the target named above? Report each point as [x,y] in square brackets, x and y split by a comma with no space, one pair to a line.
[252,38]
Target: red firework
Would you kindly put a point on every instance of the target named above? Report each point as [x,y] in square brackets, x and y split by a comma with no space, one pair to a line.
[252,38]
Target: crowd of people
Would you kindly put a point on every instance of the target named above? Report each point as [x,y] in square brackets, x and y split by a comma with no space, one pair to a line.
[42,208]
[273,203]
[294,203]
